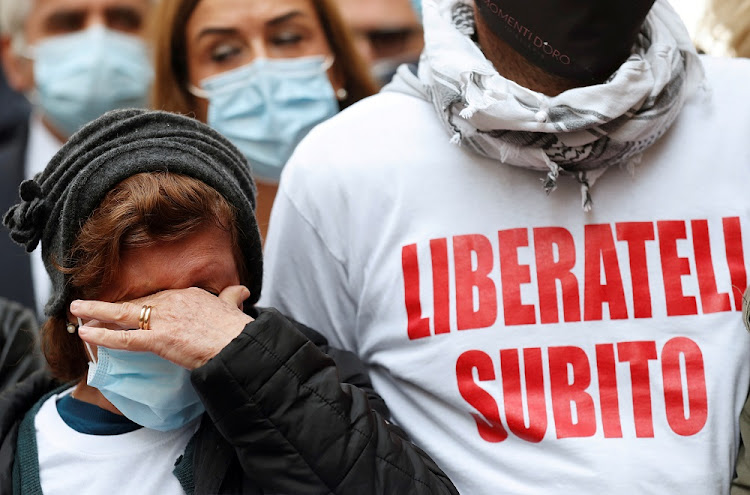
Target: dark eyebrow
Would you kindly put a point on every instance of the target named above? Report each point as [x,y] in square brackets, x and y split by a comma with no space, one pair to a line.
[122,10]
[216,31]
[282,19]
[128,12]
[61,18]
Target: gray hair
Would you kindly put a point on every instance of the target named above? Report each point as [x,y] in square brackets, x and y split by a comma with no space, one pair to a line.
[13,15]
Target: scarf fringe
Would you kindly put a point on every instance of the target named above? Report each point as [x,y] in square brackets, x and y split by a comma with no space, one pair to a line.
[632,163]
[586,200]
[550,182]
[493,115]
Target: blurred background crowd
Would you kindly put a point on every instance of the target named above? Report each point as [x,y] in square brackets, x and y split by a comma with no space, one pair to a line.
[65,62]
[262,74]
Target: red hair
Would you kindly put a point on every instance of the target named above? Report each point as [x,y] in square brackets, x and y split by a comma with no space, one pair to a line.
[142,210]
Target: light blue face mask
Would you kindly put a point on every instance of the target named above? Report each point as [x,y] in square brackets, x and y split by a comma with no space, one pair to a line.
[146,388]
[417,5]
[265,108]
[82,75]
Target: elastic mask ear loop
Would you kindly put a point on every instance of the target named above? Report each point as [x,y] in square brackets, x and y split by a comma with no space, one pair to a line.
[196,91]
[91,353]
[19,47]
[328,62]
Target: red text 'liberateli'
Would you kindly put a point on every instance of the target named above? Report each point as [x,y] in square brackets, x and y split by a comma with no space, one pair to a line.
[488,280]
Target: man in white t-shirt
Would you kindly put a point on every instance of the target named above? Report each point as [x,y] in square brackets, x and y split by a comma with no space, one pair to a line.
[538,244]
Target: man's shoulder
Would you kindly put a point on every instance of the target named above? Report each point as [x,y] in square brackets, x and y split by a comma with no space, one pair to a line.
[378,115]
[727,74]
[714,63]
[373,131]
[721,104]
[373,142]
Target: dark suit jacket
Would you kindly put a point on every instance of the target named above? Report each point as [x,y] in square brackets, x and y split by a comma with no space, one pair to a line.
[14,109]
[15,263]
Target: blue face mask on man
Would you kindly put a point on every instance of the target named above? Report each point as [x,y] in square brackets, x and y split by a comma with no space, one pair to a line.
[82,75]
[265,108]
[145,388]
[417,6]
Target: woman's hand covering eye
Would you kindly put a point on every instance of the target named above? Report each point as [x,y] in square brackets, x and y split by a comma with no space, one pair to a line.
[186,326]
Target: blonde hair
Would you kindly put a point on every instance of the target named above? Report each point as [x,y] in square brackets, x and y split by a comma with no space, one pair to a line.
[169,91]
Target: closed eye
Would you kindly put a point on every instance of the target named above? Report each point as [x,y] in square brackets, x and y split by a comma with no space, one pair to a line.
[284,39]
[224,51]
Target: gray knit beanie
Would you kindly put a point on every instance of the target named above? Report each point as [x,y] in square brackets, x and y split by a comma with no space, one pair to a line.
[120,144]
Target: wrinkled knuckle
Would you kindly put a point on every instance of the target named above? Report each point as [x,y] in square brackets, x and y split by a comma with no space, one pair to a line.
[166,295]
[178,298]
[84,307]
[171,340]
[123,311]
[158,347]
[201,293]
[126,338]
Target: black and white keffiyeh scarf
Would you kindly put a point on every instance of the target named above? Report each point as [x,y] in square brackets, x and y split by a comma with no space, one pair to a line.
[580,132]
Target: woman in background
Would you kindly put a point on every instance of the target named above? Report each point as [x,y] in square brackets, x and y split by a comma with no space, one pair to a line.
[261,72]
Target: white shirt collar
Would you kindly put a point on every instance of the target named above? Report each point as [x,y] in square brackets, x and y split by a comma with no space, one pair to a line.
[42,146]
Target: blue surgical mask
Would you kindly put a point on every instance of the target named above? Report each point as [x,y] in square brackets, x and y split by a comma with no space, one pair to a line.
[417,5]
[383,70]
[82,75]
[145,388]
[265,108]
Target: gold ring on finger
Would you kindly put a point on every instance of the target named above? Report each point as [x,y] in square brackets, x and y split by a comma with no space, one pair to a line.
[144,320]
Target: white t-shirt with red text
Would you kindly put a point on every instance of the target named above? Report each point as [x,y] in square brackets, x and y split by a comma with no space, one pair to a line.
[527,346]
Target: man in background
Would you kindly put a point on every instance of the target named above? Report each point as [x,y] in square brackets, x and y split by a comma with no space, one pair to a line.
[387,33]
[75,60]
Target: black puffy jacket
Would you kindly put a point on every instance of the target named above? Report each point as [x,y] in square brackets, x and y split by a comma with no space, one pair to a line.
[19,351]
[285,414]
